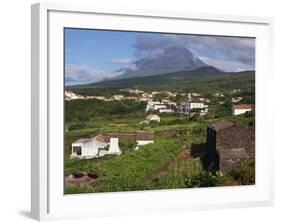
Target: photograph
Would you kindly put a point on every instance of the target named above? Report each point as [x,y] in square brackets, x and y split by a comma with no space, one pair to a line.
[154,111]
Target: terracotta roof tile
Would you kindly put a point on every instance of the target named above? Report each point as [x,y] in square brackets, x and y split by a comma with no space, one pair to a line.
[242,106]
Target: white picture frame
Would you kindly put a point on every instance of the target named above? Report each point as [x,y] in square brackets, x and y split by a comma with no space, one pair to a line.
[48,201]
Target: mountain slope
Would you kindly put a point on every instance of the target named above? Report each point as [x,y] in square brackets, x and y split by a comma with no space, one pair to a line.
[175,80]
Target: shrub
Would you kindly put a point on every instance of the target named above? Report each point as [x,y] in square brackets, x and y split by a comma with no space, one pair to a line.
[76,126]
[205,179]
[195,117]
[244,172]
[127,146]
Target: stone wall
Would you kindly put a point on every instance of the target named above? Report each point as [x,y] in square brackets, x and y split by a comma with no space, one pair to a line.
[228,144]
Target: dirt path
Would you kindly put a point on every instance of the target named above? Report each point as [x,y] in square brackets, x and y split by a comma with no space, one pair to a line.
[184,155]
[85,181]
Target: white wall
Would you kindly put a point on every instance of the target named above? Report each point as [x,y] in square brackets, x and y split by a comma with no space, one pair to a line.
[114,146]
[240,111]
[15,110]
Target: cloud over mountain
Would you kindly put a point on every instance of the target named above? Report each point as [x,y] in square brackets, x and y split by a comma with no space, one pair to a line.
[230,51]
[169,59]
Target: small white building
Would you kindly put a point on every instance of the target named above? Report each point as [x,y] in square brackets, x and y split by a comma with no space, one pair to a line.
[152,117]
[171,94]
[159,106]
[155,93]
[118,97]
[150,105]
[95,147]
[241,109]
[193,104]
[145,99]
[144,138]
[165,110]
[196,94]
[236,99]
[169,103]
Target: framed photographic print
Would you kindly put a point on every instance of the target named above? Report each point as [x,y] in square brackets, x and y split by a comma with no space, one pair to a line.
[148,111]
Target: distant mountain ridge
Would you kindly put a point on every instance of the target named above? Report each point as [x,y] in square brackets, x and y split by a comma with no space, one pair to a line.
[176,80]
[172,59]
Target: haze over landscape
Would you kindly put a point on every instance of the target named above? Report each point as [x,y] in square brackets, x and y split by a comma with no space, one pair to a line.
[92,56]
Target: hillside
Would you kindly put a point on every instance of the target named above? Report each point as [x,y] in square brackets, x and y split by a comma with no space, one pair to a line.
[206,77]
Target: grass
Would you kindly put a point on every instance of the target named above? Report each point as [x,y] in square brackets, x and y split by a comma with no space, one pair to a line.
[175,176]
[127,171]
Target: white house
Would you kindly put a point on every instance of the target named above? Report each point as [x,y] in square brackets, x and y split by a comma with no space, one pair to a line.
[159,106]
[145,99]
[236,99]
[165,110]
[169,103]
[241,109]
[196,94]
[193,104]
[152,117]
[118,97]
[95,147]
[150,105]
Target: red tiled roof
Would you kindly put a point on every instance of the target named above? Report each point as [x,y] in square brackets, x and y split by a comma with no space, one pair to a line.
[242,106]
[144,136]
[103,138]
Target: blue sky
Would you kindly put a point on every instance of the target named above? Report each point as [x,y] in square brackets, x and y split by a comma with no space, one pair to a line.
[92,55]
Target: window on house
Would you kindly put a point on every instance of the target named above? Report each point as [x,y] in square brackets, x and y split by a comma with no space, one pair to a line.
[77,150]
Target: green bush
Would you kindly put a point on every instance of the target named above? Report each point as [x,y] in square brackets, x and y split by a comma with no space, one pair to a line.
[244,172]
[76,126]
[205,179]
[127,146]
[195,117]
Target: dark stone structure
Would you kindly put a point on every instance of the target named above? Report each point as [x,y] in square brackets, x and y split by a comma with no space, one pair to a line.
[228,143]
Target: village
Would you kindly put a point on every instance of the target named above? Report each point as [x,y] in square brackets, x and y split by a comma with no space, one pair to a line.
[159,104]
[215,131]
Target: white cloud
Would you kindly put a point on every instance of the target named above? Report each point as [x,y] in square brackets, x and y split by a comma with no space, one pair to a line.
[123,61]
[82,74]
[228,65]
